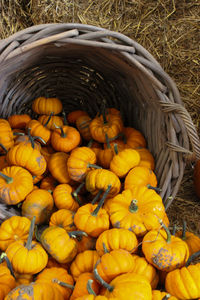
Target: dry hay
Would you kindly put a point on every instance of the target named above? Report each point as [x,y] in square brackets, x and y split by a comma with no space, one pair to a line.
[168,29]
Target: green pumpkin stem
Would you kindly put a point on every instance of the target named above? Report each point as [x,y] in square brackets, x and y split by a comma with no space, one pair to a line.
[30,235]
[64,118]
[168,240]
[18,133]
[7,178]
[174,229]
[106,285]
[74,234]
[133,206]
[67,285]
[97,196]
[89,287]
[116,150]
[63,135]
[4,148]
[31,138]
[93,166]
[76,192]
[39,138]
[107,142]
[9,265]
[166,297]
[184,230]
[105,249]
[158,190]
[49,118]
[192,257]
[95,212]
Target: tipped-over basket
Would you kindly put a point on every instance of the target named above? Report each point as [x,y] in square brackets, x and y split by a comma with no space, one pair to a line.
[84,65]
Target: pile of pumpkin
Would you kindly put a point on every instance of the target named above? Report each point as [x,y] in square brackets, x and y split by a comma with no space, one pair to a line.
[91,222]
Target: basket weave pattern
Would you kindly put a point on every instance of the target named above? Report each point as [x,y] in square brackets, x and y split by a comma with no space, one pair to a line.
[84,65]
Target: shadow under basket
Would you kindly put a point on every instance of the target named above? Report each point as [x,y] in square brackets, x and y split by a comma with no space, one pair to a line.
[84,65]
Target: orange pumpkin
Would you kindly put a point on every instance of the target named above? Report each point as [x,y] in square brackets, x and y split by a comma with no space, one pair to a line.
[46,106]
[65,138]
[7,282]
[48,183]
[15,184]
[37,129]
[57,167]
[63,198]
[74,115]
[19,121]
[6,135]
[82,124]
[63,218]
[146,158]
[52,123]
[159,295]
[133,138]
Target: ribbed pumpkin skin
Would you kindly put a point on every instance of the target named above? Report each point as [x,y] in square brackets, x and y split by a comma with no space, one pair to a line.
[58,244]
[7,282]
[142,267]
[129,286]
[23,278]
[37,129]
[85,243]
[115,263]
[117,238]
[92,225]
[158,295]
[78,163]
[81,285]
[38,203]
[150,210]
[57,166]
[50,274]
[134,138]
[27,261]
[65,143]
[35,291]
[46,106]
[124,161]
[13,229]
[55,120]
[19,121]
[146,158]
[100,179]
[112,127]
[184,283]
[162,255]
[62,195]
[6,135]
[82,124]
[28,158]
[22,185]
[140,176]
[192,240]
[63,218]
[84,262]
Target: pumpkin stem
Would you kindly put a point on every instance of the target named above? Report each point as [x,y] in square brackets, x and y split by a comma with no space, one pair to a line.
[39,138]
[4,148]
[107,142]
[192,257]
[55,280]
[49,118]
[93,166]
[105,248]
[63,135]
[174,230]
[166,297]
[18,133]
[109,287]
[31,138]
[75,193]
[74,234]
[167,232]
[9,265]
[7,178]
[97,196]
[30,235]
[89,287]
[95,212]
[184,230]
[154,188]
[116,149]
[64,118]
[133,206]
[103,111]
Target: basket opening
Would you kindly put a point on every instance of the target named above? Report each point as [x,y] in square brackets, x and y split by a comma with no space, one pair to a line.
[82,77]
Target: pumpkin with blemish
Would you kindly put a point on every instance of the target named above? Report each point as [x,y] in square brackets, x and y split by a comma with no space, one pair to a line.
[63,218]
[163,250]
[28,158]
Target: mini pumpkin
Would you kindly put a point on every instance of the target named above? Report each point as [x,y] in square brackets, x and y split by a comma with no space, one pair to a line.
[19,121]
[57,167]
[51,123]
[146,158]
[46,106]
[133,138]
[6,135]
[82,124]
[7,282]
[74,115]
[37,129]
[63,198]
[159,295]
[63,218]
[29,257]
[15,184]
[65,138]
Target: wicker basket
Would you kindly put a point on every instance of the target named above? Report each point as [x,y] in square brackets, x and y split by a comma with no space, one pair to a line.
[84,65]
